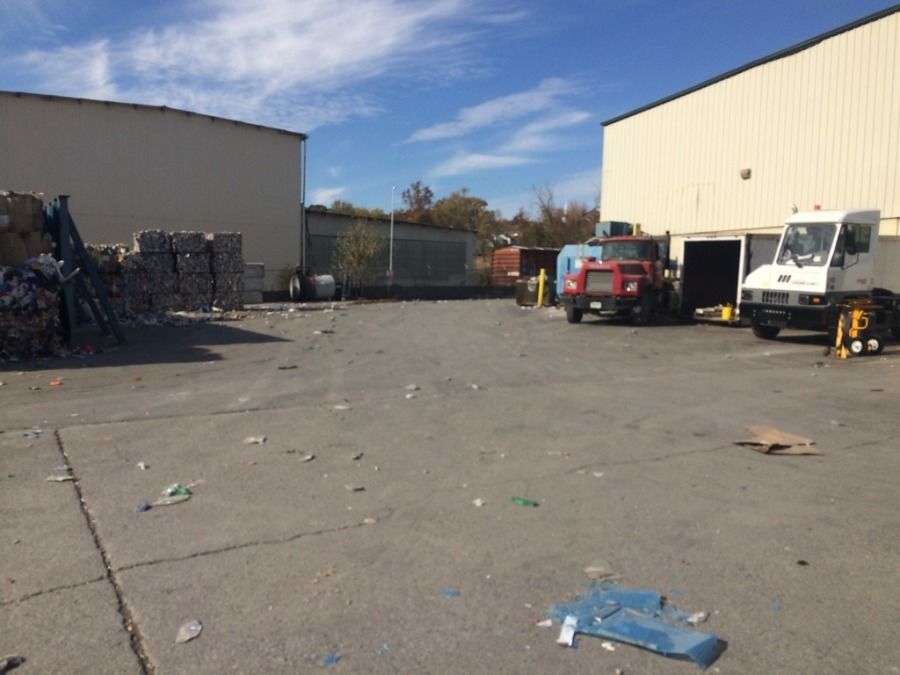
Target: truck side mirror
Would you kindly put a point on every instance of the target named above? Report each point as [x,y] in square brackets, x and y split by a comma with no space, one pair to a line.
[850,241]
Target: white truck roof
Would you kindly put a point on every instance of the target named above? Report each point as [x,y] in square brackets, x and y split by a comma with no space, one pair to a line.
[861,216]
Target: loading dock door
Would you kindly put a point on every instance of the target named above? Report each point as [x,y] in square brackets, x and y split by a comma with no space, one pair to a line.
[710,273]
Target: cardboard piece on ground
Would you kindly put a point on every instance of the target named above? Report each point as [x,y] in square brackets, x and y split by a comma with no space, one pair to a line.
[772,441]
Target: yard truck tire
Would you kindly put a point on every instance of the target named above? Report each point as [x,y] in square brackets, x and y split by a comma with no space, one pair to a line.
[765,332]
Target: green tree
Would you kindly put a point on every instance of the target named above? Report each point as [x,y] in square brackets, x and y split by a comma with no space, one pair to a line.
[462,211]
[418,198]
[356,251]
[349,209]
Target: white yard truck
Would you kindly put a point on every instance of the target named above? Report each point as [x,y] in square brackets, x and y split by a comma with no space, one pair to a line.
[824,260]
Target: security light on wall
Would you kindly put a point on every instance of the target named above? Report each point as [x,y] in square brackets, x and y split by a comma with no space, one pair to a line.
[745,173]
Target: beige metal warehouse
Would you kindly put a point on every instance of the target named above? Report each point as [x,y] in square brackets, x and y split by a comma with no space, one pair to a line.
[131,167]
[814,124]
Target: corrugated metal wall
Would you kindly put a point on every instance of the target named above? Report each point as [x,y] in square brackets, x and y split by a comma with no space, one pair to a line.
[128,168]
[816,127]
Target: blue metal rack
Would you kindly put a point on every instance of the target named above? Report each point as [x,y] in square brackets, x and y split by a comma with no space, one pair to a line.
[76,266]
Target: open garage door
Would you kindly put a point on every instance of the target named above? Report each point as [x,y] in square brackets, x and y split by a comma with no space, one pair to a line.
[714,268]
[710,273]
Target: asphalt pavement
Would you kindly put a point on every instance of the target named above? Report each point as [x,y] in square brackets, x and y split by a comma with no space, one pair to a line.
[374,529]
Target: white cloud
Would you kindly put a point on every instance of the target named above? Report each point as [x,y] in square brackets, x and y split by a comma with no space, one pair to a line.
[465,163]
[82,71]
[327,195]
[240,59]
[497,111]
[536,136]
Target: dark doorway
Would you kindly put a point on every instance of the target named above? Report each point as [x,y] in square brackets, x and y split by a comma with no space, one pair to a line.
[710,272]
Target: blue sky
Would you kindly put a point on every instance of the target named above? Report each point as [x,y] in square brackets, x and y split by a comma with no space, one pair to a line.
[500,97]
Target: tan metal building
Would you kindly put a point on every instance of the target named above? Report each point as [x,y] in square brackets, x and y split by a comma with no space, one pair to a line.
[814,124]
[132,167]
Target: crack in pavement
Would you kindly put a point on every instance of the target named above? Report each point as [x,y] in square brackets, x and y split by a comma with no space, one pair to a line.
[136,640]
[250,544]
[54,589]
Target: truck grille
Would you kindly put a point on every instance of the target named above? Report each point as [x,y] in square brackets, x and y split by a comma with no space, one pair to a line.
[598,281]
[775,297]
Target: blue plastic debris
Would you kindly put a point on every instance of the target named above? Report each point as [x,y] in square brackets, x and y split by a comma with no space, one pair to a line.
[636,617]
[143,506]
[450,593]
[383,648]
[330,659]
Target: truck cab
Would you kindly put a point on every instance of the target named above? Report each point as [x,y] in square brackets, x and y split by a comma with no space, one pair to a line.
[628,280]
[823,259]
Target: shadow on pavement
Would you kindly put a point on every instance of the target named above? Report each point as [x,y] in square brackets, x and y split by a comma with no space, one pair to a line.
[146,344]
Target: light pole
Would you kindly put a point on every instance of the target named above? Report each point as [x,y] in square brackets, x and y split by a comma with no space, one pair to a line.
[391,244]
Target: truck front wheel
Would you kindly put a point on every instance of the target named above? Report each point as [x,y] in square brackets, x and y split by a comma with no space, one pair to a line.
[765,332]
[574,315]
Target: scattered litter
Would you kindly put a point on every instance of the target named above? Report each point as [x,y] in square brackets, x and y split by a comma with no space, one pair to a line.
[836,423]
[567,632]
[255,440]
[598,474]
[636,617]
[307,458]
[7,663]
[521,501]
[34,432]
[143,466]
[341,406]
[383,648]
[195,483]
[369,521]
[354,488]
[175,489]
[772,441]
[608,646]
[410,396]
[33,388]
[803,563]
[143,506]
[60,479]
[474,387]
[291,367]
[412,387]
[330,659]
[188,632]
[546,623]
[450,593]
[61,467]
[56,383]
[478,502]
[600,569]
[697,617]
[358,456]
[170,501]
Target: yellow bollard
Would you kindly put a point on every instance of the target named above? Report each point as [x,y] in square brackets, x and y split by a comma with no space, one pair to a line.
[540,302]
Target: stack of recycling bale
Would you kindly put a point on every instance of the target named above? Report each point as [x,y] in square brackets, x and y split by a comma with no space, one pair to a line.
[109,261]
[192,264]
[227,269]
[150,273]
[21,228]
[29,309]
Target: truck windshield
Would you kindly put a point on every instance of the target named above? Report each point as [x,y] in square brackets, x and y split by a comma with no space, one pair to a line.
[807,244]
[626,250]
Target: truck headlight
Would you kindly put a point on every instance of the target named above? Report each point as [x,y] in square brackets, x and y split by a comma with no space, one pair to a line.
[631,286]
[571,284]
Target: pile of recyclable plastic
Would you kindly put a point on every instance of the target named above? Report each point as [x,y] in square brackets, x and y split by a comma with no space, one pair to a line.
[29,309]
[177,271]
